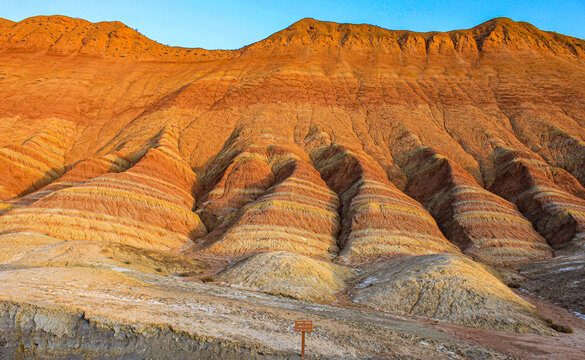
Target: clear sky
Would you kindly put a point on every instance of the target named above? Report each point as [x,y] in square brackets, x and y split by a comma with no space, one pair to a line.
[230,24]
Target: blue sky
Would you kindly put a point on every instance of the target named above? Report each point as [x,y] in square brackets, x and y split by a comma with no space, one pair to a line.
[232,24]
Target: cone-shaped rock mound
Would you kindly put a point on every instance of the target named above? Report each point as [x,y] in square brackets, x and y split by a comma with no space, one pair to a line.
[288,274]
[447,287]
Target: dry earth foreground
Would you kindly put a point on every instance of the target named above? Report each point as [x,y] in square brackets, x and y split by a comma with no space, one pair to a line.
[416,195]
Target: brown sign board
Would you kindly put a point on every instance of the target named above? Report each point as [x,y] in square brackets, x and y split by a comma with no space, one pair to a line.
[303,326]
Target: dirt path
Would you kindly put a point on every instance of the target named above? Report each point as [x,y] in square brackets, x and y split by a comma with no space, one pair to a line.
[530,346]
[523,346]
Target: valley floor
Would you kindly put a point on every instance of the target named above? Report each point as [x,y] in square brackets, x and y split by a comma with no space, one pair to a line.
[63,312]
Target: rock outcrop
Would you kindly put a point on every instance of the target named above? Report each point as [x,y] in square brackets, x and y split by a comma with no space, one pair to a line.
[558,214]
[481,223]
[288,274]
[450,288]
[379,219]
[148,206]
[322,154]
[36,162]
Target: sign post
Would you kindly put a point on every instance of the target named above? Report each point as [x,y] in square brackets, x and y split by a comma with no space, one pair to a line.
[303,327]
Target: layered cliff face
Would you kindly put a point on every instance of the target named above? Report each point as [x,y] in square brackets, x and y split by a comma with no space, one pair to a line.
[320,150]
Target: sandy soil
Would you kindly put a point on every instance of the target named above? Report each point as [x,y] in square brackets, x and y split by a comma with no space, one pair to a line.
[119,298]
[530,346]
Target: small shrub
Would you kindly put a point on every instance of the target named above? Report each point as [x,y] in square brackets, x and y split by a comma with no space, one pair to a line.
[558,327]
[562,328]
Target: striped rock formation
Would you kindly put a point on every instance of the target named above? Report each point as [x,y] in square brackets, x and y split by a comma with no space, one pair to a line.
[379,220]
[149,205]
[238,175]
[531,184]
[38,161]
[84,170]
[321,149]
[481,223]
[298,212]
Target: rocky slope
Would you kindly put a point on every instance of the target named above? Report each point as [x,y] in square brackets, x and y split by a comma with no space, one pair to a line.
[446,287]
[311,164]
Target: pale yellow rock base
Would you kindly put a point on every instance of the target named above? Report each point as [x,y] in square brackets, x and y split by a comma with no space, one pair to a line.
[294,275]
[45,251]
[450,288]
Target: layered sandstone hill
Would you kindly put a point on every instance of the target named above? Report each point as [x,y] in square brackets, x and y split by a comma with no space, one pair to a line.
[301,164]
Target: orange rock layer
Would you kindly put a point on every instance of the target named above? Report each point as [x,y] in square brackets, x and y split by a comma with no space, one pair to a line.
[341,142]
[483,224]
[148,205]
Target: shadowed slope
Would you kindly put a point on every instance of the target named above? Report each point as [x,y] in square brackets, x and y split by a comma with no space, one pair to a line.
[530,183]
[148,205]
[479,222]
[37,162]
[298,213]
[237,176]
[378,220]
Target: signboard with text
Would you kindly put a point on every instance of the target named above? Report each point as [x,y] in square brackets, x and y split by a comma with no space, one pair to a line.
[303,326]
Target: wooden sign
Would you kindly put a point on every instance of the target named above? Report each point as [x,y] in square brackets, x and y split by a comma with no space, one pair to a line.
[303,326]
